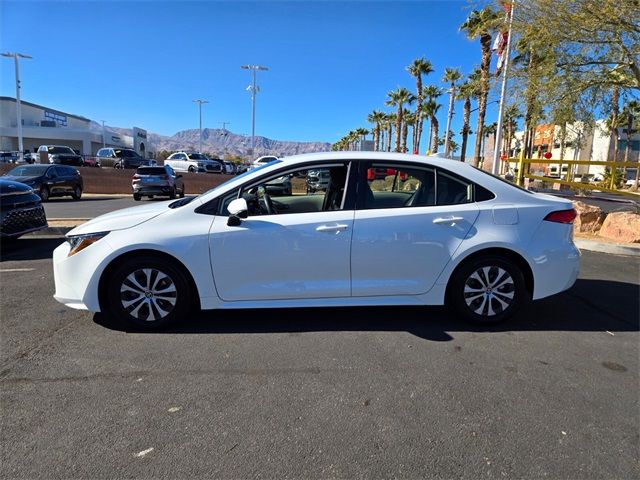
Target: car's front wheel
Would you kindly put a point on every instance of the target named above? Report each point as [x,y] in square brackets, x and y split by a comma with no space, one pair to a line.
[487,290]
[192,169]
[148,292]
[44,193]
[77,193]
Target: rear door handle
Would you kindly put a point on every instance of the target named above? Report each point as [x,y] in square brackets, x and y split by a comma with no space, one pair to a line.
[332,228]
[447,220]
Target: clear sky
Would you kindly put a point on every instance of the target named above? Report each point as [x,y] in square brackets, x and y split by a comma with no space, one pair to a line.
[142,63]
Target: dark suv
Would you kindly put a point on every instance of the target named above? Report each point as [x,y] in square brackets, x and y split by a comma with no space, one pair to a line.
[49,180]
[121,158]
[157,181]
[20,211]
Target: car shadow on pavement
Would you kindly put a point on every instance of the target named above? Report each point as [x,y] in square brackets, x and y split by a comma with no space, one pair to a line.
[29,247]
[590,306]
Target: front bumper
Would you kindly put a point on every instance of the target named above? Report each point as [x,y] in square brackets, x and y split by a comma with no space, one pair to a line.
[22,220]
[77,277]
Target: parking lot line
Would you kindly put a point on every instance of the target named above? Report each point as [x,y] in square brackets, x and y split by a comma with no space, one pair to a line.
[8,270]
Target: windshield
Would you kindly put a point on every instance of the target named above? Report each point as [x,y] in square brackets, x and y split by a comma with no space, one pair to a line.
[151,171]
[242,175]
[125,153]
[59,150]
[31,171]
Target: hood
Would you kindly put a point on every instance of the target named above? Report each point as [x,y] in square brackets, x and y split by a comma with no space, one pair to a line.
[9,187]
[122,219]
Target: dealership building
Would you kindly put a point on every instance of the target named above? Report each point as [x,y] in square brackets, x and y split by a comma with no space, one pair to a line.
[48,126]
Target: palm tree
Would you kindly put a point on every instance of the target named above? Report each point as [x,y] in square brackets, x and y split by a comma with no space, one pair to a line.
[408,120]
[431,108]
[361,133]
[615,99]
[487,131]
[631,116]
[511,116]
[376,118]
[419,67]
[397,98]
[468,90]
[431,93]
[391,120]
[451,76]
[482,23]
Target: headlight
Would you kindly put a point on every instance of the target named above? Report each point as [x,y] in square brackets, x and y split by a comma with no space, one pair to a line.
[80,242]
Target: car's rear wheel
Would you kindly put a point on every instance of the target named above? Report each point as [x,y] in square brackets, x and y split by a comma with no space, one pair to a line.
[77,193]
[182,192]
[487,290]
[172,194]
[44,193]
[148,292]
[137,197]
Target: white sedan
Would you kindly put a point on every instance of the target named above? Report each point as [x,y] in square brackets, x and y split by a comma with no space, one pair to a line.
[418,231]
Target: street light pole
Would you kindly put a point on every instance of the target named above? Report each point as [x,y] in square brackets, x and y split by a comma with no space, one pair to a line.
[16,56]
[254,91]
[103,142]
[495,168]
[200,102]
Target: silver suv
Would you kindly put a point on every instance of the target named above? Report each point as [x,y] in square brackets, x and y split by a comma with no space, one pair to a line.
[193,162]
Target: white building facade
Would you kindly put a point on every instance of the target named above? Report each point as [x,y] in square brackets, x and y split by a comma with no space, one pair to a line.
[47,126]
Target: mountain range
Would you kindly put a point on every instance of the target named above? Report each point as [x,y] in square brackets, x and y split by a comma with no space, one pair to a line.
[221,141]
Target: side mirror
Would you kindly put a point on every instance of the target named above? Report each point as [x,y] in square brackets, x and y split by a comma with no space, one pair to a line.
[237,209]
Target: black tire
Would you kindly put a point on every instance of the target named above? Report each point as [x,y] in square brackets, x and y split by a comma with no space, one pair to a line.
[137,197]
[172,194]
[182,192]
[495,287]
[77,193]
[192,169]
[44,193]
[139,306]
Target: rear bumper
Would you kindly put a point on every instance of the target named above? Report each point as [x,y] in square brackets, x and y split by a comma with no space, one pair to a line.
[153,190]
[555,261]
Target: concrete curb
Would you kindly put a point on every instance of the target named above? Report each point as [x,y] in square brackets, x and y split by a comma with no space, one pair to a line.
[611,248]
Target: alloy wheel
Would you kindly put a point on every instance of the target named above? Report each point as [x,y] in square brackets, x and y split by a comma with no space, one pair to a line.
[148,294]
[489,291]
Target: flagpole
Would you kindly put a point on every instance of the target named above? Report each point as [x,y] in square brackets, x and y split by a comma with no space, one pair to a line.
[495,169]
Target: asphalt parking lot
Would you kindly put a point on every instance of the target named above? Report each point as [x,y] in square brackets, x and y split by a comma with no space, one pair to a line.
[366,392]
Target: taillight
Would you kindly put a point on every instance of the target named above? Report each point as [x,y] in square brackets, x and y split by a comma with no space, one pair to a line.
[136,178]
[165,177]
[562,216]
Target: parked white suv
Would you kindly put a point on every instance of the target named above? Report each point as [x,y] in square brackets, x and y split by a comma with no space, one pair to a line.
[258,162]
[193,162]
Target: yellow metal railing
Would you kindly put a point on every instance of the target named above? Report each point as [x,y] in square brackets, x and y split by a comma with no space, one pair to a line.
[524,166]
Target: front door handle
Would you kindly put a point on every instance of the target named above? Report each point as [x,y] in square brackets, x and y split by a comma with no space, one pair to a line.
[337,228]
[447,220]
